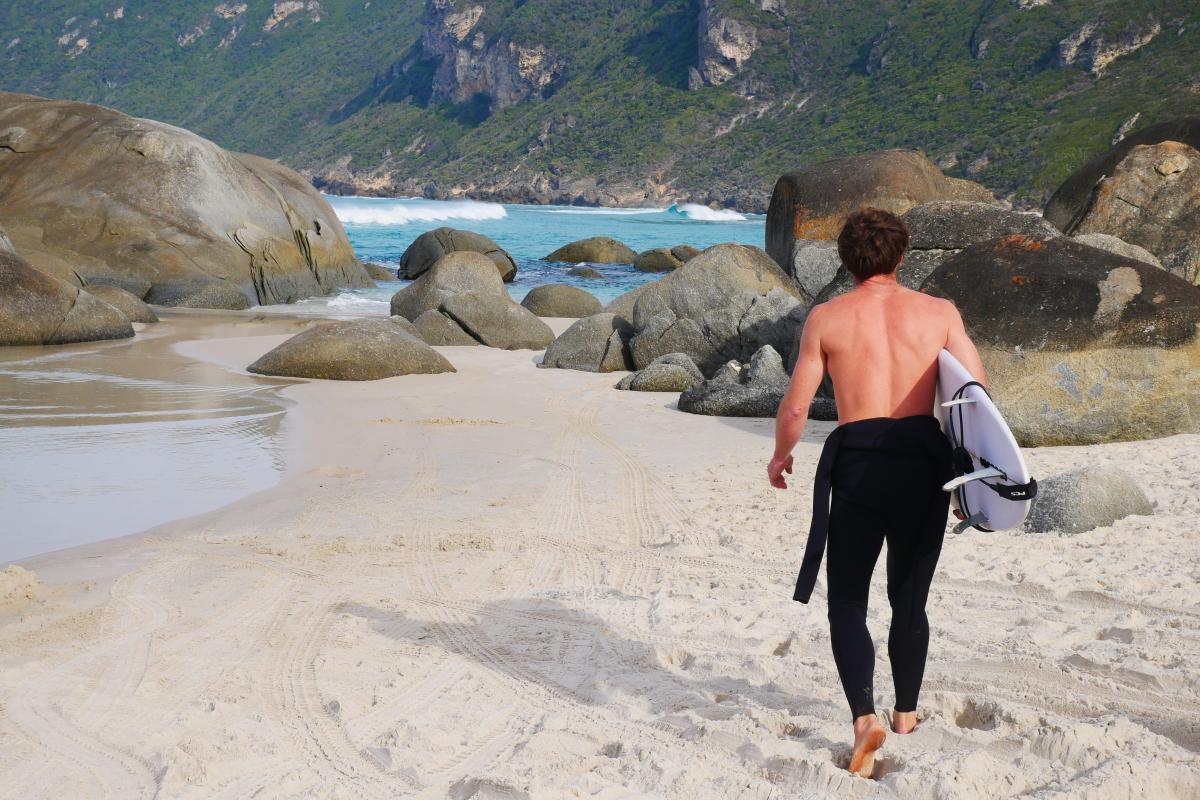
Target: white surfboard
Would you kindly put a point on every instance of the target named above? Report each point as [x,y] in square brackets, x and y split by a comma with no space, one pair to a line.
[993,492]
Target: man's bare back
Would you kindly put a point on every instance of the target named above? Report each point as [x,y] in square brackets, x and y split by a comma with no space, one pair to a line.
[880,345]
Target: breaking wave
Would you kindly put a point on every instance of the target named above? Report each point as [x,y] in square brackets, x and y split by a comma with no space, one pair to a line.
[391,211]
[695,211]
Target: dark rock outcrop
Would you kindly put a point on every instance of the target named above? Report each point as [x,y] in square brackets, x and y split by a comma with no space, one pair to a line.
[939,230]
[724,304]
[36,308]
[813,202]
[599,343]
[1080,345]
[128,304]
[1085,499]
[356,350]
[588,273]
[735,390]
[1152,199]
[1067,206]
[430,246]
[560,300]
[596,250]
[90,195]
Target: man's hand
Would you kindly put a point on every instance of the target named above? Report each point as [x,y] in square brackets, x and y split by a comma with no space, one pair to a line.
[775,470]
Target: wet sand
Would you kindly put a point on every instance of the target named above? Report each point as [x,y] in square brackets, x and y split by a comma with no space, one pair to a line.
[111,438]
[511,582]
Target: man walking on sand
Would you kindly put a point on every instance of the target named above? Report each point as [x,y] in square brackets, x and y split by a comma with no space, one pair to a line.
[884,464]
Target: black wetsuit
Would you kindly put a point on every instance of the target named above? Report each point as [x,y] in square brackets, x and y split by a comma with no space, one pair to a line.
[886,477]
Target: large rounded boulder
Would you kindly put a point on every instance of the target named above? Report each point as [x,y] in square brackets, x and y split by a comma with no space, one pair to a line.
[1070,201]
[599,343]
[815,263]
[939,230]
[724,304]
[90,195]
[664,259]
[128,304]
[561,300]
[596,250]
[623,304]
[430,246]
[674,372]
[455,273]
[1085,499]
[496,321]
[1152,199]
[814,202]
[36,308]
[355,350]
[440,331]
[1080,345]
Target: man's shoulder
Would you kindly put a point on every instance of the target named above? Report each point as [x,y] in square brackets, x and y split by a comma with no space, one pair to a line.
[928,301]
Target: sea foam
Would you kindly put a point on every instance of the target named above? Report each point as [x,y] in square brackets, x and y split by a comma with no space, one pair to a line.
[390,211]
[700,213]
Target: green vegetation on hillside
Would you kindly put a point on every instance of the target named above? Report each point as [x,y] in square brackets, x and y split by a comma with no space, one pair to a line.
[977,84]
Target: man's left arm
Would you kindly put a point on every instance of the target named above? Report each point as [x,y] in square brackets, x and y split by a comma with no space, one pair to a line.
[793,411]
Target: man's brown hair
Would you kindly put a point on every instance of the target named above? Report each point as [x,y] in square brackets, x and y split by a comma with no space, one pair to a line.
[872,242]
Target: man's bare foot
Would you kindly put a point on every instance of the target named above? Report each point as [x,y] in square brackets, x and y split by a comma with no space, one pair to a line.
[869,734]
[904,721]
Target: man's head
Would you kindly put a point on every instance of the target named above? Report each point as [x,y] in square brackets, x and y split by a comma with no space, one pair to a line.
[872,242]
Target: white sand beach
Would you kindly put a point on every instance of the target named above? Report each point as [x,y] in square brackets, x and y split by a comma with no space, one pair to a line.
[511,582]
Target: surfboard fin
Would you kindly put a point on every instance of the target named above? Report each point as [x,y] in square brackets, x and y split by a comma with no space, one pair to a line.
[971,522]
[979,474]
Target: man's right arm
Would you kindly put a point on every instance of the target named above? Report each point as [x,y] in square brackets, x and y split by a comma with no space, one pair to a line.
[960,345]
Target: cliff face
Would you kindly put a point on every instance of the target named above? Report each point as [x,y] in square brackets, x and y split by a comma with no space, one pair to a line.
[469,66]
[611,101]
[725,45]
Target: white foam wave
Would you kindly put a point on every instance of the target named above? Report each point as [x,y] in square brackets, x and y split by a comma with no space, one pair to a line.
[701,213]
[381,211]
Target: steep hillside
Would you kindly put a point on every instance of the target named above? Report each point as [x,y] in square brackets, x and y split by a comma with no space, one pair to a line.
[623,102]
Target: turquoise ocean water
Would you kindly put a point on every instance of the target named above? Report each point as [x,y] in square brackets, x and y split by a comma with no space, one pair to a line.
[381,228]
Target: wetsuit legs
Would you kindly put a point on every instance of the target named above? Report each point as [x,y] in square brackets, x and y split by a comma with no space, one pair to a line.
[912,559]
[856,535]
[855,539]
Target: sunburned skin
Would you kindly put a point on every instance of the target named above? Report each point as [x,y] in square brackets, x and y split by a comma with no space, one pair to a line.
[879,344]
